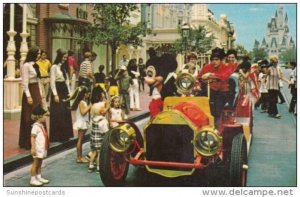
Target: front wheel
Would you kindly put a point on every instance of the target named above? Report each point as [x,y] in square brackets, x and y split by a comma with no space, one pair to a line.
[238,161]
[113,165]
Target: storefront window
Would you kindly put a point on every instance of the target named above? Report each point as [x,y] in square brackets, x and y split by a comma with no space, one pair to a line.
[60,43]
[31,28]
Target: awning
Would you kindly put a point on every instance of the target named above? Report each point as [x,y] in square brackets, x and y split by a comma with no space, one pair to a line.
[65,18]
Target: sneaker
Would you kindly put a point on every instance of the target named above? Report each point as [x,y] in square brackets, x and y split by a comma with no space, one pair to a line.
[277,116]
[98,169]
[36,183]
[44,181]
[263,111]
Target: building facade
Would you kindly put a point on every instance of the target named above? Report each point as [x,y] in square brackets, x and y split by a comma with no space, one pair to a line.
[49,26]
[222,30]
[166,20]
[277,38]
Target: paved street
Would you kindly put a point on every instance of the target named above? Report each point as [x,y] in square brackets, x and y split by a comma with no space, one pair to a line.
[272,159]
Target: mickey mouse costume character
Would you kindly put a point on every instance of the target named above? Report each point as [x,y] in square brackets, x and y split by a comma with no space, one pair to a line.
[163,82]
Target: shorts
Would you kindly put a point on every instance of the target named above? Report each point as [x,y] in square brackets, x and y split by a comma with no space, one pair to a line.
[40,153]
[81,125]
[113,91]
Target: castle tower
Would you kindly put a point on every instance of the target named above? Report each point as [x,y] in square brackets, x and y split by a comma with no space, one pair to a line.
[277,38]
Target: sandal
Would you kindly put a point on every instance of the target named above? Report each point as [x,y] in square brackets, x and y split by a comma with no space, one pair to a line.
[82,160]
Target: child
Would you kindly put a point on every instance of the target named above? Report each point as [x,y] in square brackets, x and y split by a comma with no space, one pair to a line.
[264,96]
[124,87]
[116,112]
[39,145]
[99,128]
[82,122]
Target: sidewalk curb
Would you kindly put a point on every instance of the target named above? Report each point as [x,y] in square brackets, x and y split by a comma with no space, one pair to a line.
[16,162]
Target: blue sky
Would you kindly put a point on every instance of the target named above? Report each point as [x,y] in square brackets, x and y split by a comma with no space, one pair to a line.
[250,20]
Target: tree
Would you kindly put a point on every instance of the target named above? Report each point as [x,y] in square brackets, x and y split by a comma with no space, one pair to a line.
[241,51]
[198,41]
[112,26]
[289,55]
[258,54]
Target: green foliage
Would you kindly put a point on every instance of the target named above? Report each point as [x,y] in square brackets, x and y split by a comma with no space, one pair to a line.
[258,54]
[289,55]
[112,26]
[240,50]
[198,41]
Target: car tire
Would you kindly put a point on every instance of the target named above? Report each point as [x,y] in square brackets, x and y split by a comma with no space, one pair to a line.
[238,175]
[113,165]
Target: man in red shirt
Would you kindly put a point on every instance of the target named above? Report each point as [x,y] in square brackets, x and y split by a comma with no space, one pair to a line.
[218,74]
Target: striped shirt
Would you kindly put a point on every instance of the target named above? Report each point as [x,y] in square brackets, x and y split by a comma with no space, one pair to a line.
[85,69]
[273,78]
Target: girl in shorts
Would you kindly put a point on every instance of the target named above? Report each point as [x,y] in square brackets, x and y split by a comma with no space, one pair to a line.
[39,145]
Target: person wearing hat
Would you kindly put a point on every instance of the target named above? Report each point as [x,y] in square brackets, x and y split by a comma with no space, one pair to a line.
[39,145]
[274,74]
[264,96]
[218,74]
[124,88]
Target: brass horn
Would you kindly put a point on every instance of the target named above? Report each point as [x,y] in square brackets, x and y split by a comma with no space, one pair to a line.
[122,137]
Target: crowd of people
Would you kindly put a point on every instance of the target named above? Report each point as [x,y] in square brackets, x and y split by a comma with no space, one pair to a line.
[102,100]
[55,89]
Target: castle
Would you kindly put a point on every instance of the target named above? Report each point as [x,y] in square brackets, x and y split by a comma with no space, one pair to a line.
[277,38]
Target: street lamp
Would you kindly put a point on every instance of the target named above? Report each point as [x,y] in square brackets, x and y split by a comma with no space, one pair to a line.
[185,31]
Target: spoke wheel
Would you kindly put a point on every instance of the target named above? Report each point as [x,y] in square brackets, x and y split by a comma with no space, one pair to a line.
[113,165]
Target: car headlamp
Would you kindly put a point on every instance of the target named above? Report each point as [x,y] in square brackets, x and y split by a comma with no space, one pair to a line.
[122,137]
[185,83]
[208,142]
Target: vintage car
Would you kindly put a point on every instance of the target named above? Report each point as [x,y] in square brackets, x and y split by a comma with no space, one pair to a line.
[181,140]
